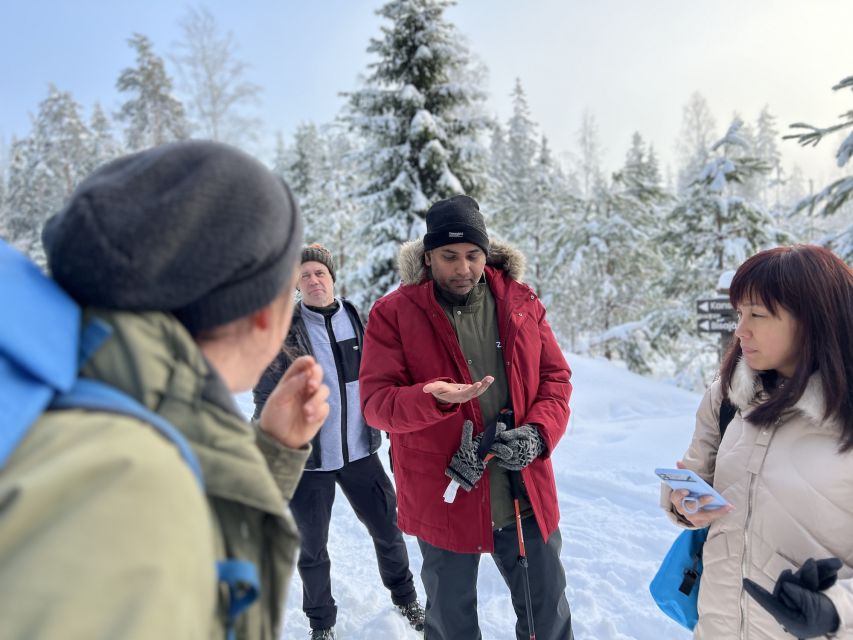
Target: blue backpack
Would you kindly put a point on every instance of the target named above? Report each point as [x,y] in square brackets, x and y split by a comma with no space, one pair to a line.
[675,587]
[42,347]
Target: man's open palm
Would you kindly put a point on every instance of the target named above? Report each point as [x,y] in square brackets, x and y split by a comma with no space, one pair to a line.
[455,393]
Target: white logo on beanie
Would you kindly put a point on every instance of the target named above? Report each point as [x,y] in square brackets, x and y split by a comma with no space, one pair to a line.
[455,234]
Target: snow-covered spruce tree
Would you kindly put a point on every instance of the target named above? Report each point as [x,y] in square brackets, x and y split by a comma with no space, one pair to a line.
[494,167]
[528,197]
[588,167]
[694,141]
[281,156]
[514,159]
[321,169]
[838,194]
[552,208]
[766,149]
[420,115]
[753,185]
[153,115]
[301,171]
[45,168]
[337,207]
[103,146]
[709,231]
[212,77]
[617,256]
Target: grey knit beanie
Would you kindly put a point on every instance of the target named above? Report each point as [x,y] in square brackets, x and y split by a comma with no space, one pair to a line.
[199,229]
[318,253]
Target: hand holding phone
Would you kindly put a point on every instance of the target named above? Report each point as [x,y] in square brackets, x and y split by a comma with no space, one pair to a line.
[696,487]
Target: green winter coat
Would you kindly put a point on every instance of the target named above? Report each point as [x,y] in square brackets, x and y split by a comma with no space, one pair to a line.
[104,532]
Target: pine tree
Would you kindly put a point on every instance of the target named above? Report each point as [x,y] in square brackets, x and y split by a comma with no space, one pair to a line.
[710,230]
[213,78]
[753,185]
[497,158]
[833,198]
[420,113]
[512,201]
[589,160]
[694,143]
[280,157]
[549,198]
[152,114]
[302,174]
[103,145]
[713,229]
[45,169]
[616,248]
[337,210]
[767,150]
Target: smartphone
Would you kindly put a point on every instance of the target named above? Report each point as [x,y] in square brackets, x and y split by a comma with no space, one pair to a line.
[695,485]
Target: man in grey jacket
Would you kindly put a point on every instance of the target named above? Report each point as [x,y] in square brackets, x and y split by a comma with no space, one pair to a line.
[343,452]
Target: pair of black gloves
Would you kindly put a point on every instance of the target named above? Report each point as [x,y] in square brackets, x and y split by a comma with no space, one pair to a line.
[797,602]
[513,448]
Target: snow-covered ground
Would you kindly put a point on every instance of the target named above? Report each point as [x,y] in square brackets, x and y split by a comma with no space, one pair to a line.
[614,535]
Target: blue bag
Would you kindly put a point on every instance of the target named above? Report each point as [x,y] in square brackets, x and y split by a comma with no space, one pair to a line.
[42,347]
[675,587]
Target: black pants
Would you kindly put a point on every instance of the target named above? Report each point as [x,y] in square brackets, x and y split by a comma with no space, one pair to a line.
[371,494]
[450,580]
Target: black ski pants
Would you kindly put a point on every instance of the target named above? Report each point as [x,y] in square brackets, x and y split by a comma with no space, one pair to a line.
[450,580]
[371,495]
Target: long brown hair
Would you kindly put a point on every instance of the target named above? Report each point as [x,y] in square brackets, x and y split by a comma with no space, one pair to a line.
[816,288]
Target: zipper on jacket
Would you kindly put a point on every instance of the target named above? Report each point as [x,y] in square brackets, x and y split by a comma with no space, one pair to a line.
[744,563]
[342,386]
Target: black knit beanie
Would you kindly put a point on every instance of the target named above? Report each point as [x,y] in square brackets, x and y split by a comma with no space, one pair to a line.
[196,228]
[457,219]
[318,253]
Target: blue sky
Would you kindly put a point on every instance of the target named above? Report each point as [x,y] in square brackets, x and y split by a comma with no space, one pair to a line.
[633,63]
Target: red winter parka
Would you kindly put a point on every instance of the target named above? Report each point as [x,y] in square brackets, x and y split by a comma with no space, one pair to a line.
[409,342]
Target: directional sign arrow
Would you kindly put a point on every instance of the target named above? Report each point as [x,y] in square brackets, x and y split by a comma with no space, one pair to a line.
[719,324]
[720,306]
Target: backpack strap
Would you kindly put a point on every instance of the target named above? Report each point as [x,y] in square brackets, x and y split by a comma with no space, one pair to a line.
[241,578]
[97,396]
[727,413]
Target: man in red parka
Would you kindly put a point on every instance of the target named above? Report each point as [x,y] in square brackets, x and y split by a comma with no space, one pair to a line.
[461,340]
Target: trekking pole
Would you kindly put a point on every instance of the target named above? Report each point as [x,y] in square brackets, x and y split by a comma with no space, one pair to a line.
[515,490]
[508,418]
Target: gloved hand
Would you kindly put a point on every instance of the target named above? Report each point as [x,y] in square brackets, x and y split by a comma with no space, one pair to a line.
[796,601]
[516,448]
[466,467]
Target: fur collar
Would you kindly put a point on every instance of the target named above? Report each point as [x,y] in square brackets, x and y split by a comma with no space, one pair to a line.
[746,387]
[501,256]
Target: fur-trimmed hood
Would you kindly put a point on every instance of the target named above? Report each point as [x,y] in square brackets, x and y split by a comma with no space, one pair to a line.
[501,256]
[746,386]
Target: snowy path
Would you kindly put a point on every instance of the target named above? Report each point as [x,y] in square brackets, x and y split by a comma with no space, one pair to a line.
[614,535]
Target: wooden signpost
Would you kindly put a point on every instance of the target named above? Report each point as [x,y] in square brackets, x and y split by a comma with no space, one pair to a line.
[716,315]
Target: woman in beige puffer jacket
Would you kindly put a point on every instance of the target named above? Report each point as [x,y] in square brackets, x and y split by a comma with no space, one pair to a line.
[785,464]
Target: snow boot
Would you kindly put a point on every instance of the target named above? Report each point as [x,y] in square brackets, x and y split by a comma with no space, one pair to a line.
[414,613]
[322,634]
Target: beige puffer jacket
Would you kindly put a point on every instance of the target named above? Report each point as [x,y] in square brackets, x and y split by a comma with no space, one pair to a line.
[793,498]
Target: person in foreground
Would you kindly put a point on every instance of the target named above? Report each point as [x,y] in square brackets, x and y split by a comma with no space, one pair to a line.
[187,254]
[343,452]
[460,341]
[778,561]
